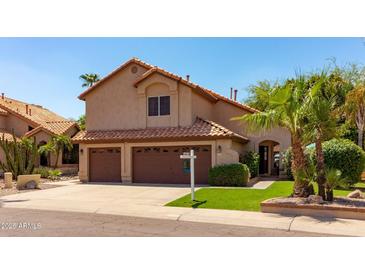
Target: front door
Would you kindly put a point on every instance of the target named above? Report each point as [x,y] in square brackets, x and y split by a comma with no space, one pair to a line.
[264,159]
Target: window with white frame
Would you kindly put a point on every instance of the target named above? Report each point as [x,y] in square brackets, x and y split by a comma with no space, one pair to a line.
[158,105]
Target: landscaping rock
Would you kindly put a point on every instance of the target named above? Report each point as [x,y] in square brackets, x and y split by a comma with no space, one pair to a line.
[30,185]
[357,194]
[314,199]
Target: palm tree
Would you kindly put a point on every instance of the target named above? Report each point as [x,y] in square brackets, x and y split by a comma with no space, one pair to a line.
[259,95]
[89,79]
[285,109]
[320,122]
[55,145]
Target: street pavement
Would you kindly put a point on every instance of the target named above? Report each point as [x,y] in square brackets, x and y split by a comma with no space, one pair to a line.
[30,222]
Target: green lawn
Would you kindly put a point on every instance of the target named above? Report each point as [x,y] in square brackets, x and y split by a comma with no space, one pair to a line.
[239,198]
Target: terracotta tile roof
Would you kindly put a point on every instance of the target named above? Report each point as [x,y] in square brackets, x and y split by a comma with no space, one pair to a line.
[210,94]
[3,112]
[57,127]
[7,135]
[37,116]
[201,129]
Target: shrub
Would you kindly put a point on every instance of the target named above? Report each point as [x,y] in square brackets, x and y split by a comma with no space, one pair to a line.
[340,154]
[43,171]
[54,174]
[48,173]
[229,175]
[252,160]
[344,155]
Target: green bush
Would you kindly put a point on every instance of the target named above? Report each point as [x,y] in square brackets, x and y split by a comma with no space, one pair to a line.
[54,174]
[344,155]
[341,154]
[252,160]
[43,171]
[48,173]
[229,175]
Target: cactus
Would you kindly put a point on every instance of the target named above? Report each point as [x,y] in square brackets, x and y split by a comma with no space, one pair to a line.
[20,156]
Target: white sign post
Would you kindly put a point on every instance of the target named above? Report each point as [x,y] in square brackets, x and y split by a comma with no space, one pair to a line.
[191,157]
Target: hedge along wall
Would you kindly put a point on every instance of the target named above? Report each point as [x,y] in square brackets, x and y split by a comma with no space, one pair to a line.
[341,154]
[229,175]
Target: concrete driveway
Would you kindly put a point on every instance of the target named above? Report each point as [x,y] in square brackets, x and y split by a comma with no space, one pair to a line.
[127,200]
[148,201]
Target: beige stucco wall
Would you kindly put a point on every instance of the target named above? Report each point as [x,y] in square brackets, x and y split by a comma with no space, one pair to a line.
[201,107]
[113,105]
[118,104]
[279,135]
[224,112]
[19,126]
[222,153]
[3,121]
[180,102]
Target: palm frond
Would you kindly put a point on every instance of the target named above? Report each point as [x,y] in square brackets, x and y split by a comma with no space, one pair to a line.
[259,121]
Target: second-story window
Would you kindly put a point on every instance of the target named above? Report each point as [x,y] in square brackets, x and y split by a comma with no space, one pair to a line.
[159,106]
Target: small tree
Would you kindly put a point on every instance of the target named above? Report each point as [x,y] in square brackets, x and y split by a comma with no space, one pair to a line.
[355,111]
[56,145]
[82,122]
[333,179]
[20,155]
[320,122]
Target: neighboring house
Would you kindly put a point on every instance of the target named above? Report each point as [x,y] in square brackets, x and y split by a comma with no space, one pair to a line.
[29,120]
[141,118]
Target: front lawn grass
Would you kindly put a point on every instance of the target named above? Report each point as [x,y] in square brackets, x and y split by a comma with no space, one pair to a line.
[239,198]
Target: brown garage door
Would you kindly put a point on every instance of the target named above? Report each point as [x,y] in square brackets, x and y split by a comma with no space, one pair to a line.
[104,165]
[162,165]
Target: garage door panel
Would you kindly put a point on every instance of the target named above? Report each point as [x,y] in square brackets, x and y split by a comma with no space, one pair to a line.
[105,165]
[162,165]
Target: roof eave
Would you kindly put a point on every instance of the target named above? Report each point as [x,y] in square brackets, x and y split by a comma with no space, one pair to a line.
[124,65]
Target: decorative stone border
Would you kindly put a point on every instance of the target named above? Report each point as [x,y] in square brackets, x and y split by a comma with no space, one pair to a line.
[315,210]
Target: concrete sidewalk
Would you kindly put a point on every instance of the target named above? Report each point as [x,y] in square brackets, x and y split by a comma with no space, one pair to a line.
[148,202]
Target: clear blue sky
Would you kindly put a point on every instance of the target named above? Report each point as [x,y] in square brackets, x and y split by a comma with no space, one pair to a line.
[46,70]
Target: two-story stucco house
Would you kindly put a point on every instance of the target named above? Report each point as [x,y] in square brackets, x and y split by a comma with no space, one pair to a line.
[30,120]
[141,118]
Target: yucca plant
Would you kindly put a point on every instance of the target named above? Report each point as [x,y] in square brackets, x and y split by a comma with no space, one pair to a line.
[333,179]
[20,155]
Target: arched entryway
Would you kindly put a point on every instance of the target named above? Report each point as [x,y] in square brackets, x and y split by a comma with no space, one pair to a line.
[269,152]
[43,157]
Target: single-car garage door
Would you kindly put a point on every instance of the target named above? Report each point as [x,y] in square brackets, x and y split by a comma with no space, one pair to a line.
[162,165]
[104,165]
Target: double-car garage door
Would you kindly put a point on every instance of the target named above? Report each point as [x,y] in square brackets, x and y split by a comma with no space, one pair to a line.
[155,165]
[162,165]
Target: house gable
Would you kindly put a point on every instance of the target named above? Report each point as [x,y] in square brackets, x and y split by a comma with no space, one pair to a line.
[120,100]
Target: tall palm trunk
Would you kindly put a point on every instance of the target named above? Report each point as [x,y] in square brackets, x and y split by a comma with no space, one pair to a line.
[360,126]
[301,183]
[57,156]
[360,134]
[321,177]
